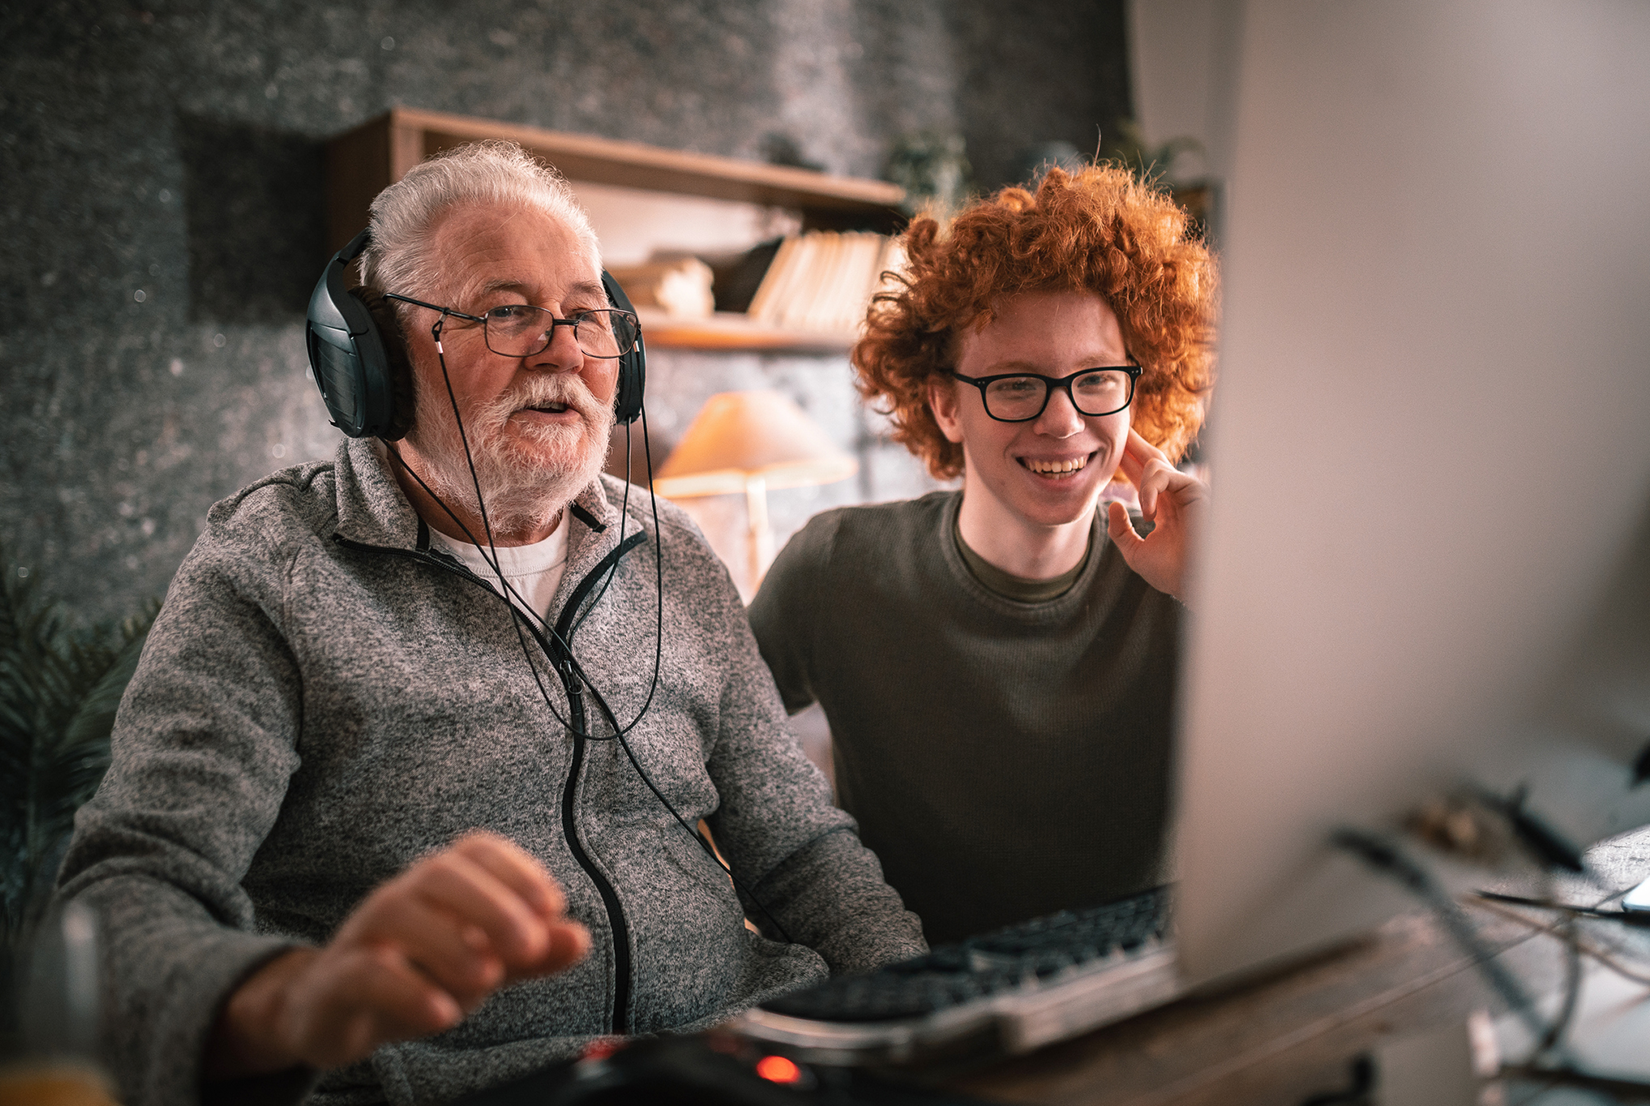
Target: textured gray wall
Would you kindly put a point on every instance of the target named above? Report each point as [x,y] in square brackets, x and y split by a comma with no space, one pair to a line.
[161,206]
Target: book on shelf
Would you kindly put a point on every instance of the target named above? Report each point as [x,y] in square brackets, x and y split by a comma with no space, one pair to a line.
[821,282]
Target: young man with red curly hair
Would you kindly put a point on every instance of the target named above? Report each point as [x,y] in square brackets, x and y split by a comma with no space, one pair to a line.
[999,665]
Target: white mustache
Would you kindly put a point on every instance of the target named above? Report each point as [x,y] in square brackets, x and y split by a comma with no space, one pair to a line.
[540,391]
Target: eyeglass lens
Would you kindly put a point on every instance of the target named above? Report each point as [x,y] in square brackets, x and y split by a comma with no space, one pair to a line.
[520,330]
[1098,392]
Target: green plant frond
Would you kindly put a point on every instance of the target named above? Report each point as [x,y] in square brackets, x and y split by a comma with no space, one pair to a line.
[82,753]
[94,715]
[60,685]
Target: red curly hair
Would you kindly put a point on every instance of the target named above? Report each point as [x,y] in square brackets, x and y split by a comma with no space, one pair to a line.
[1098,230]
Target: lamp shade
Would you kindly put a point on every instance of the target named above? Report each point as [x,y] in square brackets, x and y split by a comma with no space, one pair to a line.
[741,436]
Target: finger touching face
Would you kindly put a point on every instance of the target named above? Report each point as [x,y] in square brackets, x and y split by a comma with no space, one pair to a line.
[1136,453]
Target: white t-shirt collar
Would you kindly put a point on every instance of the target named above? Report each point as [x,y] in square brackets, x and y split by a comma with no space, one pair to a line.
[534,571]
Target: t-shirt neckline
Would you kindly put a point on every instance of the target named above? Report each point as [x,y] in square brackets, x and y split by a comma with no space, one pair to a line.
[1020,589]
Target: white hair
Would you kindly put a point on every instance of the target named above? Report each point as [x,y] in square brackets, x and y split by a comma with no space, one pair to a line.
[398,259]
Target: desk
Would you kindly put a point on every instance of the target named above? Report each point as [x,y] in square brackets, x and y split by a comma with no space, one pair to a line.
[1278,1040]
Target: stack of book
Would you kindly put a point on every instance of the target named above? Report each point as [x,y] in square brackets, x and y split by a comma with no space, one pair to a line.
[821,282]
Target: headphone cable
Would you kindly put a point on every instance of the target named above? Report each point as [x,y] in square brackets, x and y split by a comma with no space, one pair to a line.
[574,668]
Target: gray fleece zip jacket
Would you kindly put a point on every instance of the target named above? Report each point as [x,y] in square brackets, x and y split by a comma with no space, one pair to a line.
[324,700]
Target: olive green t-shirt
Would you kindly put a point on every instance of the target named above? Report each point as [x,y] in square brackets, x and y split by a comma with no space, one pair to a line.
[1004,759]
[1023,588]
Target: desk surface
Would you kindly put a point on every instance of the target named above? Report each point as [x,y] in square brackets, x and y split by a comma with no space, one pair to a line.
[1277,1040]
[1289,1036]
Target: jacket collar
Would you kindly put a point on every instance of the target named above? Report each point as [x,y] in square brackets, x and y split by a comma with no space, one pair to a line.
[371,508]
[373,511]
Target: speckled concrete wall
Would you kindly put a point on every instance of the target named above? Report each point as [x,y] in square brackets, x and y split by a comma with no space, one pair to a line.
[161,206]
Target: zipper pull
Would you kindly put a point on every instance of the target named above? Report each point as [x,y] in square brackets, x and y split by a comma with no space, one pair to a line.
[575,696]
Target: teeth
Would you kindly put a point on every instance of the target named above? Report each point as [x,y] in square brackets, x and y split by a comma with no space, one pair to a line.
[1052,468]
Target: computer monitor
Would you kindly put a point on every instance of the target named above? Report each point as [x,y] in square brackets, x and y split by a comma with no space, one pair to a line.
[1428,556]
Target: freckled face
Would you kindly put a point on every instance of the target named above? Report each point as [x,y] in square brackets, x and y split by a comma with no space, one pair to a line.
[1048,471]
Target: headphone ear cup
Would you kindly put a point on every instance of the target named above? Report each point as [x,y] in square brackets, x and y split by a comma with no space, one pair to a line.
[627,397]
[627,400]
[397,364]
[346,353]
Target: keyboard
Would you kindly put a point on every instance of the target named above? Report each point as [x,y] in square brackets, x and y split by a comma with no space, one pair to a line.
[1009,991]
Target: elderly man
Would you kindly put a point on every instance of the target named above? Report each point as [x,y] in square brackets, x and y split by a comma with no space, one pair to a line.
[397,795]
[999,664]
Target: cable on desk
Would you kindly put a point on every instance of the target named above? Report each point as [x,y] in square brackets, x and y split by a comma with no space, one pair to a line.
[1551,1079]
[1625,917]
[1385,857]
[1572,985]
[1587,945]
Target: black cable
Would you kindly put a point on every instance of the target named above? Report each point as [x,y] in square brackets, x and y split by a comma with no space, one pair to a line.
[493,563]
[620,732]
[659,582]
[515,612]
[693,831]
[1572,985]
[1625,917]
[520,605]
[1609,1089]
[1386,858]
[1606,957]
[624,516]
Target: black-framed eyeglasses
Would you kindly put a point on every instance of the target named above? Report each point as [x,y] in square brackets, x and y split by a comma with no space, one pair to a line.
[1021,397]
[521,330]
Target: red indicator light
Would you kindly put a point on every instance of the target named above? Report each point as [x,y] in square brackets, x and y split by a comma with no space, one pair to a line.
[777,1069]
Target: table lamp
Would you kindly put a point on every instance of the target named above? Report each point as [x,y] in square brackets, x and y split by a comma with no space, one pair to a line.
[750,442]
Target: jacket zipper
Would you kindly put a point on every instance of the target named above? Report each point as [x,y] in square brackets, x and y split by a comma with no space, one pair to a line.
[575,844]
[575,703]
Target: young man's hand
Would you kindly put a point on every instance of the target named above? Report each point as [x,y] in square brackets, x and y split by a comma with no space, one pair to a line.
[1174,502]
[418,954]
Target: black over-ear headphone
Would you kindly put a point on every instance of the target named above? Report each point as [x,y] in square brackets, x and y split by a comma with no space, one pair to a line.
[360,362]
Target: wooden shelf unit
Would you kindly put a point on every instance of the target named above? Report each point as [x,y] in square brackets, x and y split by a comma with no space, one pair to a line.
[735,332]
[364,161]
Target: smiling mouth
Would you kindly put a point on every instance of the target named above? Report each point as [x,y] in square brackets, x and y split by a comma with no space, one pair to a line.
[1068,467]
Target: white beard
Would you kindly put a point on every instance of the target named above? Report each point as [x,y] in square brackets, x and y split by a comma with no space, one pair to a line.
[521,488]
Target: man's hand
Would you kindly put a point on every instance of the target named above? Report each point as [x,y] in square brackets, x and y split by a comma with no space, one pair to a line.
[417,955]
[1172,500]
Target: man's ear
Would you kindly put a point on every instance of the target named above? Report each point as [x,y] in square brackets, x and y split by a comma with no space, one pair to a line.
[942,401]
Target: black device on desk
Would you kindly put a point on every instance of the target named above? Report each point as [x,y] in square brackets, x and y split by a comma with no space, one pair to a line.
[707,1069]
[1005,992]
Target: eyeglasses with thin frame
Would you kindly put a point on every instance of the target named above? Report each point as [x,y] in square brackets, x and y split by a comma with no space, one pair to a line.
[521,330]
[1021,397]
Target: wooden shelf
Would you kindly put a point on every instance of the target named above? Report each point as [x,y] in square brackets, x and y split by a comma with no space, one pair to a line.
[732,331]
[364,161]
